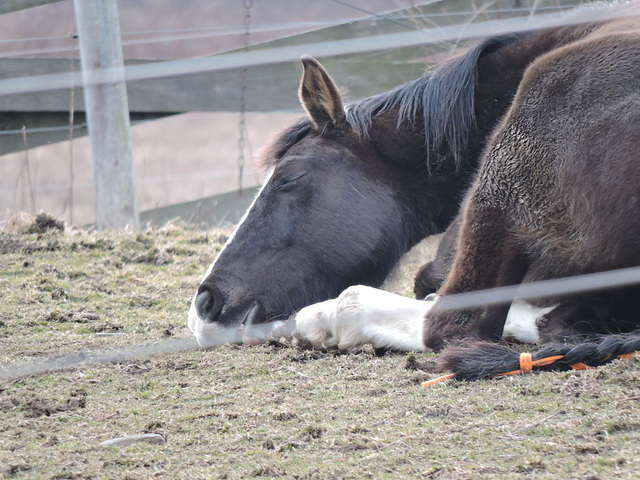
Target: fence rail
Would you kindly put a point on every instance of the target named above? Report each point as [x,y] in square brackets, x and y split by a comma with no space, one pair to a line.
[368,56]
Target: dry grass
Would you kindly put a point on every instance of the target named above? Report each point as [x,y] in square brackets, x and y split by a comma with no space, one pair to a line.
[267,411]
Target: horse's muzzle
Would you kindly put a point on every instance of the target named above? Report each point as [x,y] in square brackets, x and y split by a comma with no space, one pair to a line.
[215,323]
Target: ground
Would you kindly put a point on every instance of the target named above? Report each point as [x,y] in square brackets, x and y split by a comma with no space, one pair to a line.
[265,411]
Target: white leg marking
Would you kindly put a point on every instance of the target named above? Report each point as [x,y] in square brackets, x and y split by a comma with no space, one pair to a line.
[315,323]
[364,315]
[521,322]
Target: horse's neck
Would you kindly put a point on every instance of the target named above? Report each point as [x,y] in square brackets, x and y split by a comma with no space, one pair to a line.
[499,74]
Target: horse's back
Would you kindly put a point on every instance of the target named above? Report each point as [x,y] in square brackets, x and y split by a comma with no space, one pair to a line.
[606,60]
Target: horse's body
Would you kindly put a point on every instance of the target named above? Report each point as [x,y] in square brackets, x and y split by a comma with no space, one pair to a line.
[557,193]
[349,190]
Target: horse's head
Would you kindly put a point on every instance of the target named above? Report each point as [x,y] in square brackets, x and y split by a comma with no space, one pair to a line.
[349,190]
[329,215]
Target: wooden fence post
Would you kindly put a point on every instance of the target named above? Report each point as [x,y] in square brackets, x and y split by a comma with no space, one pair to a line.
[107,113]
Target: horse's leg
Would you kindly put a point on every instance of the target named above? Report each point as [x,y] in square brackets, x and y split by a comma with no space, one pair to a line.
[432,275]
[429,279]
[522,322]
[365,315]
[571,319]
[576,318]
[487,257]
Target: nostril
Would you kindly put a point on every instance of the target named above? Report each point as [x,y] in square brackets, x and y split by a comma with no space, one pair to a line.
[204,304]
[209,302]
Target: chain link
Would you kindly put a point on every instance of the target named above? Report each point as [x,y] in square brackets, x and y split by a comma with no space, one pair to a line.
[242,126]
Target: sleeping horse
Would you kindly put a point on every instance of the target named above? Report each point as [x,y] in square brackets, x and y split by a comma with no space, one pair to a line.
[535,135]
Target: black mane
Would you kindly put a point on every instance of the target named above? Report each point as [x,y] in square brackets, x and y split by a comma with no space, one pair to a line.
[444,97]
[277,149]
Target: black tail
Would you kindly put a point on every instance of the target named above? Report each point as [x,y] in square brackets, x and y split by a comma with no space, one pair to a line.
[473,360]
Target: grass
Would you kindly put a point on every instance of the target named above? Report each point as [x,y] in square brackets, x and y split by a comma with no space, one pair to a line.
[265,411]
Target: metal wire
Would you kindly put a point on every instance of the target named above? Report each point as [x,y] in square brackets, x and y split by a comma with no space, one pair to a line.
[374,14]
[209,33]
[531,291]
[79,359]
[169,35]
[269,56]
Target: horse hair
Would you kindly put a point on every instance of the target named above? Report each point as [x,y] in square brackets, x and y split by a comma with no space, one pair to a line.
[473,360]
[450,88]
[277,149]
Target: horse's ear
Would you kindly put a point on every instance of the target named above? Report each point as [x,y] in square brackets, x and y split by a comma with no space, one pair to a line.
[319,96]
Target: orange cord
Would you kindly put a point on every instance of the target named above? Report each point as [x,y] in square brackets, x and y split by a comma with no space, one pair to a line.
[581,366]
[443,378]
[527,364]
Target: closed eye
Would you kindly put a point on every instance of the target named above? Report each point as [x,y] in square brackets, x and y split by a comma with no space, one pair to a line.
[291,181]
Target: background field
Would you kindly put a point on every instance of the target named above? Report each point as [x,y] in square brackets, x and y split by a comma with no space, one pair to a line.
[266,411]
[180,158]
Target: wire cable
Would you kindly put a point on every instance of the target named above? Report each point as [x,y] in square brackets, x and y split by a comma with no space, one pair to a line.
[374,14]
[326,49]
[173,35]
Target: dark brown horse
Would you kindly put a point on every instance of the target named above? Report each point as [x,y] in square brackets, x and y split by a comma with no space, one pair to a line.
[557,193]
[351,188]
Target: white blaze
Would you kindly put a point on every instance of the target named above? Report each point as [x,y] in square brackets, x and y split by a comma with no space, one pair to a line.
[205,332]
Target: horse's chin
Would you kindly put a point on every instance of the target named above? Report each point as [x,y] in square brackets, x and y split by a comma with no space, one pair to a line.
[246,326]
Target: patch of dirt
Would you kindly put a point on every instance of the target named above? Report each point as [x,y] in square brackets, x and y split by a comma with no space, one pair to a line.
[411,363]
[284,416]
[270,472]
[37,407]
[57,316]
[136,368]
[12,469]
[44,223]
[301,355]
[70,476]
[10,243]
[107,327]
[178,366]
